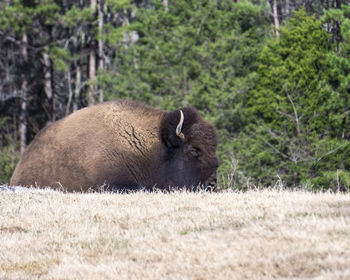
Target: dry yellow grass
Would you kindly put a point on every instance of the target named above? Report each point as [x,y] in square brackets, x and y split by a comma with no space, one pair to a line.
[254,235]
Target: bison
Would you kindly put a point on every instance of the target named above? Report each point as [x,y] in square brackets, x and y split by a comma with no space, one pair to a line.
[124,145]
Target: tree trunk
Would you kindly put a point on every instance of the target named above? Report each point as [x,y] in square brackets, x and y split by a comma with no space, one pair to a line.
[77,89]
[166,5]
[288,13]
[92,76]
[100,45]
[70,91]
[275,18]
[48,87]
[24,96]
[92,61]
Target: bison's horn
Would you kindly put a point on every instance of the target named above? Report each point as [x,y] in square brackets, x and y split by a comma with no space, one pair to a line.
[179,126]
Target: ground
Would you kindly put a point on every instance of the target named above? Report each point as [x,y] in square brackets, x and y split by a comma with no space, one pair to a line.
[269,234]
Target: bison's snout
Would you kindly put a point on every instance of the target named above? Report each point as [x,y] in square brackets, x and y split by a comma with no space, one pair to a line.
[211,181]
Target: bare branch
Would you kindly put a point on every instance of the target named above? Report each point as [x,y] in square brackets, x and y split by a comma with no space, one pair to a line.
[332,151]
[295,113]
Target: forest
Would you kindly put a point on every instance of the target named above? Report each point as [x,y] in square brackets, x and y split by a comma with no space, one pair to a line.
[273,76]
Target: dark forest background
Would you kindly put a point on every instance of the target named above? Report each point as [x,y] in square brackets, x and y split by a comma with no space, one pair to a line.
[272,76]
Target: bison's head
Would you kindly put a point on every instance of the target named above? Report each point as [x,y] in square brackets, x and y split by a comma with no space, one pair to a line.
[190,154]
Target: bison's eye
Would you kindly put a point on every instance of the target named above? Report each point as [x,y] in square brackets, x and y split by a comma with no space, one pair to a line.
[195,152]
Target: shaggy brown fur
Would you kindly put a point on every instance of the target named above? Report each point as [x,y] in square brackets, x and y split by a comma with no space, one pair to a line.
[121,144]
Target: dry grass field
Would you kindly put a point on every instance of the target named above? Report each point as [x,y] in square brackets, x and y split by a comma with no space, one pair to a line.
[267,234]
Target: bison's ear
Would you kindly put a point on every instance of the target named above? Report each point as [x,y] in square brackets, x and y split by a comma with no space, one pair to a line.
[176,124]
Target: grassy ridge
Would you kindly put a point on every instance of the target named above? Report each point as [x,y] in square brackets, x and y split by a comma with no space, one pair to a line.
[254,235]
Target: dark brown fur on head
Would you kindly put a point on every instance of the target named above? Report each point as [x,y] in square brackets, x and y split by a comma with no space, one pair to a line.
[196,153]
[170,122]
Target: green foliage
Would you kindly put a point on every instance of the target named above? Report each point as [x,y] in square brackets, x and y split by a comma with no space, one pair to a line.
[189,52]
[8,159]
[20,14]
[339,62]
[339,180]
[292,71]
[9,154]
[296,118]
[76,16]
[117,5]
[113,35]
[59,56]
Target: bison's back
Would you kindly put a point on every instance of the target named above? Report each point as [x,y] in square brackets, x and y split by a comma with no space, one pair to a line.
[86,149]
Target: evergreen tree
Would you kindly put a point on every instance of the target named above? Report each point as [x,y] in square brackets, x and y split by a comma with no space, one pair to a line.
[292,109]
